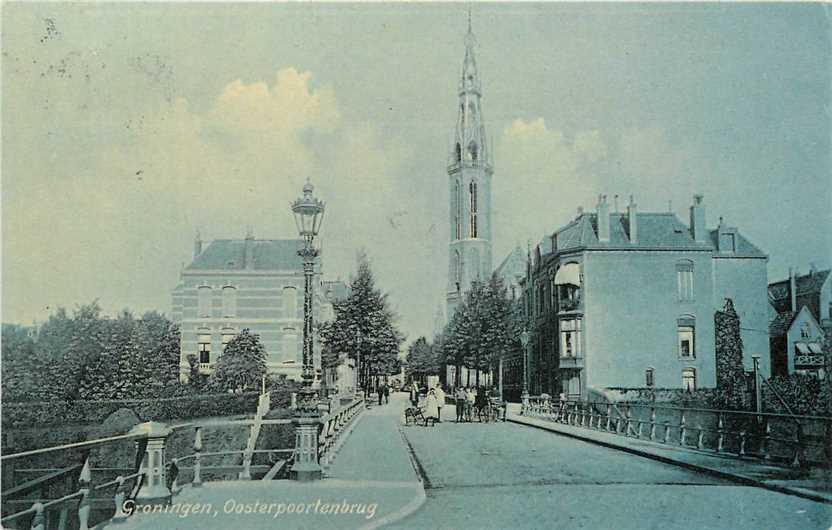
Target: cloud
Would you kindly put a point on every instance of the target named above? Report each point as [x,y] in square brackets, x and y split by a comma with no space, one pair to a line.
[129,209]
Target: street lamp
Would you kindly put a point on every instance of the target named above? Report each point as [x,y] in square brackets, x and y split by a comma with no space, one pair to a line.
[524,341]
[309,213]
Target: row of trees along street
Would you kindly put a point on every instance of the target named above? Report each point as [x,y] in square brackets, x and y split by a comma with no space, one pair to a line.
[485,328]
[87,356]
[363,329]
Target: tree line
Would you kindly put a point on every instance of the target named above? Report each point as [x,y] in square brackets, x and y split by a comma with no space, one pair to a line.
[86,356]
[485,328]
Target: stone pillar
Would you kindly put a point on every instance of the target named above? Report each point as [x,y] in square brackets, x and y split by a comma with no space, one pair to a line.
[306,466]
[154,489]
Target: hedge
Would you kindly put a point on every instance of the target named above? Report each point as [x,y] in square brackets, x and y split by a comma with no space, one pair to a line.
[37,414]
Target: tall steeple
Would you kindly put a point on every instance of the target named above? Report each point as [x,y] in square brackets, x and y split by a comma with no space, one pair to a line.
[469,180]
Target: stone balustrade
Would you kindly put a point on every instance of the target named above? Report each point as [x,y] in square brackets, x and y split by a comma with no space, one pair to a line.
[763,436]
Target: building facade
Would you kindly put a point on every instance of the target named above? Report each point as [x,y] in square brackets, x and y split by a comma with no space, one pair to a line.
[802,306]
[627,300]
[235,284]
[469,181]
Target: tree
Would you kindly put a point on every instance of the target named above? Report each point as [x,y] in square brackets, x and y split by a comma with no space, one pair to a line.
[21,378]
[730,374]
[161,362]
[364,326]
[241,366]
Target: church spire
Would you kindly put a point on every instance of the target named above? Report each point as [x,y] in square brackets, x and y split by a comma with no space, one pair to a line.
[470,143]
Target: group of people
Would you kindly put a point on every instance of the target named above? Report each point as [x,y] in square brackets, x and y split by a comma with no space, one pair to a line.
[466,399]
[383,393]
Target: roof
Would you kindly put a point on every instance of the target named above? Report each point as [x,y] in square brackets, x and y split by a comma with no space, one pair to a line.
[269,254]
[513,264]
[810,283]
[655,230]
[781,323]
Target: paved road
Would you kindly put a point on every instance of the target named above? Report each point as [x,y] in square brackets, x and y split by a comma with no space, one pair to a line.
[509,476]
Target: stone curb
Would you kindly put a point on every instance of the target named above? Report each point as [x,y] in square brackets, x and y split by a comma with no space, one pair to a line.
[741,479]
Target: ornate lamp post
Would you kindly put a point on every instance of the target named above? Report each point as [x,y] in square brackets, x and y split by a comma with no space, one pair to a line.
[309,212]
[524,341]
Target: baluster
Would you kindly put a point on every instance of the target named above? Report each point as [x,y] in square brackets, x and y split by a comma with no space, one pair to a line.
[609,416]
[591,415]
[582,414]
[798,446]
[640,428]
[682,430]
[118,499]
[618,423]
[720,440]
[627,421]
[700,438]
[64,517]
[742,444]
[84,504]
[174,470]
[197,481]
[765,440]
[38,519]
[666,432]
[652,423]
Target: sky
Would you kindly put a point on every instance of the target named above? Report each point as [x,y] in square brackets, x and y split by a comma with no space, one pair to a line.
[128,127]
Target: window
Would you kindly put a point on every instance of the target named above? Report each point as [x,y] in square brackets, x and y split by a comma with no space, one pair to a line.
[648,378]
[805,332]
[689,379]
[686,327]
[458,153]
[290,302]
[290,345]
[227,336]
[472,189]
[204,301]
[570,338]
[229,301]
[458,270]
[204,348]
[684,280]
[457,210]
[727,242]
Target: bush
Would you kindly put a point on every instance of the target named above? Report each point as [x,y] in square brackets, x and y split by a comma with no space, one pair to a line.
[802,393]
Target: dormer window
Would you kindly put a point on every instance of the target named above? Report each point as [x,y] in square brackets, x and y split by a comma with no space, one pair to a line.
[458,153]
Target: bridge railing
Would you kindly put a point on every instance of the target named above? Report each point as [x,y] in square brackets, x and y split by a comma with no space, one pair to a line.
[78,505]
[335,425]
[799,440]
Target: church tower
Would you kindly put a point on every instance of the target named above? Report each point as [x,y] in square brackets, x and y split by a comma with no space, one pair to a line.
[469,181]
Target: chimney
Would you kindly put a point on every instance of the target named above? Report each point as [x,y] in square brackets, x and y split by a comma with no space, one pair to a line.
[197,245]
[697,219]
[603,212]
[249,249]
[632,221]
[792,290]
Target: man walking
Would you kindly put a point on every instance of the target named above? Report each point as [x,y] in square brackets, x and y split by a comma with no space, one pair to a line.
[440,398]
[386,393]
[460,396]
[414,394]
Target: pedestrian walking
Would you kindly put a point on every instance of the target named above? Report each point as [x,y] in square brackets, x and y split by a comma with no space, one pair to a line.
[470,398]
[414,394]
[431,406]
[380,391]
[460,397]
[386,393]
[440,398]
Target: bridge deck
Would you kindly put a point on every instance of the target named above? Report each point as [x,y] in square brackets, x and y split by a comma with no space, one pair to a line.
[371,480]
